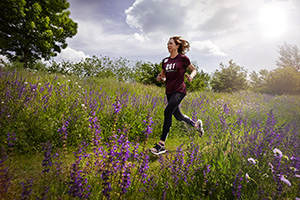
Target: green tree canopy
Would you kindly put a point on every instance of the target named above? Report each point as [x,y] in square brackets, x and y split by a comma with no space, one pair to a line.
[200,81]
[146,73]
[34,29]
[279,81]
[289,56]
[284,81]
[259,81]
[230,78]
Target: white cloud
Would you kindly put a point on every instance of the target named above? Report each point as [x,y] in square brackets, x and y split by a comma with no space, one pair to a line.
[151,16]
[72,55]
[206,48]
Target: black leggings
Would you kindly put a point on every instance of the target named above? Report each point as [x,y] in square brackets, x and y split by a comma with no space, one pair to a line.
[172,108]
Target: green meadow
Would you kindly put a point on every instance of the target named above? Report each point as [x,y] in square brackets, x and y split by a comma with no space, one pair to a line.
[66,137]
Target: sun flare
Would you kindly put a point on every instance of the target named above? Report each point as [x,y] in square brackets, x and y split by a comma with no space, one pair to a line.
[273,21]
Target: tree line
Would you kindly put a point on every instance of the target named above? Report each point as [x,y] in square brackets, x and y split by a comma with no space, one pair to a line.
[231,77]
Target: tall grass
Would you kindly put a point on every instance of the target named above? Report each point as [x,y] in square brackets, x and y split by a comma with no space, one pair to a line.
[63,137]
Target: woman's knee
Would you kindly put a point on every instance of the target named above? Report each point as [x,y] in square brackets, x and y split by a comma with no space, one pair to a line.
[178,117]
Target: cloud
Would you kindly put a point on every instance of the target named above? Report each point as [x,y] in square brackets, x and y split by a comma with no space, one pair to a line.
[156,16]
[185,16]
[69,54]
[206,48]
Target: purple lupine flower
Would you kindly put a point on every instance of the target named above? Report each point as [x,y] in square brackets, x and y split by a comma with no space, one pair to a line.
[64,129]
[148,130]
[225,109]
[117,106]
[134,153]
[11,137]
[125,181]
[177,165]
[58,163]
[96,128]
[106,183]
[165,190]
[144,166]
[5,180]
[47,161]
[27,189]
[43,195]
[79,183]
[207,170]
[237,186]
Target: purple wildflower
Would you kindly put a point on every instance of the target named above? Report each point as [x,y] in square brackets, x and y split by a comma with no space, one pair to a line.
[177,165]
[206,171]
[225,109]
[58,164]
[43,195]
[94,125]
[125,181]
[165,190]
[27,189]
[148,129]
[144,166]
[237,186]
[64,130]
[117,106]
[5,177]
[47,161]
[11,137]
[106,183]
[79,183]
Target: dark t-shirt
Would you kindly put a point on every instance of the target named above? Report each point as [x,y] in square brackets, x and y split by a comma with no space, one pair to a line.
[175,69]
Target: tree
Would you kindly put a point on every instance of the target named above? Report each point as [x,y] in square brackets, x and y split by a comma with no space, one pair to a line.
[200,81]
[230,78]
[34,29]
[283,81]
[259,81]
[289,56]
[146,73]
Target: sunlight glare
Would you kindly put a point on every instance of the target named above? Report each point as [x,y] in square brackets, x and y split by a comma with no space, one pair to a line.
[272,20]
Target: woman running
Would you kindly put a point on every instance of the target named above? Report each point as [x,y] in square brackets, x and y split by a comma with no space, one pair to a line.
[173,72]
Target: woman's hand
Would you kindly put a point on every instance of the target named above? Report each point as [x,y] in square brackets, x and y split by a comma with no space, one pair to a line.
[189,78]
[193,73]
[160,78]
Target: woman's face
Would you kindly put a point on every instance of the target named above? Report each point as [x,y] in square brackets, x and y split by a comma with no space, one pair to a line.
[172,46]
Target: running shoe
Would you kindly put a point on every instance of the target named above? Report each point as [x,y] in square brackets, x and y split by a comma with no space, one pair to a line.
[199,127]
[158,149]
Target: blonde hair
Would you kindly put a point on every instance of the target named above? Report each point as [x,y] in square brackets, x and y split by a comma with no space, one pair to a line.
[184,45]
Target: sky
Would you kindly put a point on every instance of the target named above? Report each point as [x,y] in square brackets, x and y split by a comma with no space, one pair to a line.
[249,32]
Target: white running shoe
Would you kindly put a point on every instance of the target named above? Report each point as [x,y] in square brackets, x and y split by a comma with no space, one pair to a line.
[199,127]
[158,149]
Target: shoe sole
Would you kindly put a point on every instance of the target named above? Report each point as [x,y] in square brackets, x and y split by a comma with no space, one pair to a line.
[161,152]
[200,128]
